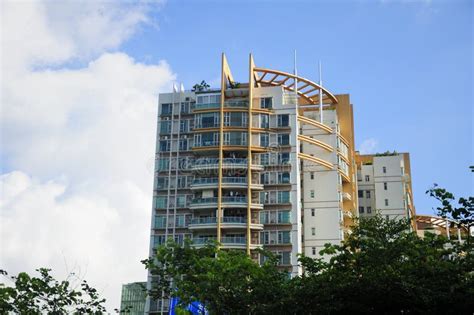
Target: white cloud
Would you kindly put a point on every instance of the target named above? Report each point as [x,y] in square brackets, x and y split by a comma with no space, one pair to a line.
[368,146]
[78,143]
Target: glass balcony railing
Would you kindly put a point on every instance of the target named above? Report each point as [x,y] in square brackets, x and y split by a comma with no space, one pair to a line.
[240,103]
[233,240]
[235,142]
[207,125]
[199,201]
[207,144]
[213,220]
[241,240]
[203,240]
[204,220]
[215,180]
[206,106]
[226,199]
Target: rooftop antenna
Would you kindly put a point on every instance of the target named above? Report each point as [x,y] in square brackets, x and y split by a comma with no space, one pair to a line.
[320,94]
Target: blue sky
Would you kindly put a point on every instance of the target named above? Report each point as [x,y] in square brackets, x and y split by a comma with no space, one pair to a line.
[406,64]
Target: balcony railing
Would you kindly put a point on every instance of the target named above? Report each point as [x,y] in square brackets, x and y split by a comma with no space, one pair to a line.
[206,106]
[241,240]
[207,144]
[225,199]
[241,103]
[213,220]
[215,180]
[233,240]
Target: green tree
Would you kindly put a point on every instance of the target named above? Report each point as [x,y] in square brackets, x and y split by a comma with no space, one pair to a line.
[463,213]
[200,87]
[383,268]
[226,282]
[45,295]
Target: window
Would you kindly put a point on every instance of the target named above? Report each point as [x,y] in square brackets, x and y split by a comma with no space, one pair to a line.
[284,237]
[311,193]
[181,182]
[313,231]
[183,144]
[264,140]
[158,240]
[384,169]
[386,202]
[361,209]
[384,186]
[312,175]
[361,194]
[284,258]
[283,120]
[313,250]
[165,126]
[161,182]
[163,164]
[367,194]
[160,222]
[264,121]
[266,102]
[367,178]
[165,145]
[283,139]
[184,108]
[312,212]
[283,197]
[166,109]
[184,125]
[283,216]
[235,119]
[369,209]
[180,221]
[181,201]
[160,202]
[284,178]
[283,158]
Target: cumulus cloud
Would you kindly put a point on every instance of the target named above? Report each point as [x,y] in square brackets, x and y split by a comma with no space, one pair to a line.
[368,146]
[77,144]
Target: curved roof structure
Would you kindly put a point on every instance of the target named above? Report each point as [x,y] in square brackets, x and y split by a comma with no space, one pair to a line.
[307,89]
[436,221]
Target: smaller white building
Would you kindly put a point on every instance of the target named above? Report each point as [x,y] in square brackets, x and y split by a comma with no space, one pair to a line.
[384,185]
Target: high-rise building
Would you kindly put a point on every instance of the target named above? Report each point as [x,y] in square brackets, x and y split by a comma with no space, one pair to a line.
[133,298]
[267,163]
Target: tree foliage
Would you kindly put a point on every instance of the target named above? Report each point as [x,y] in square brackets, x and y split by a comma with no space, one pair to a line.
[382,267]
[226,282]
[463,213]
[201,87]
[45,295]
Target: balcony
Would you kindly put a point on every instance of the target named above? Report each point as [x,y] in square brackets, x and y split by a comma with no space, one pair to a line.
[206,143]
[206,106]
[227,182]
[237,242]
[237,104]
[227,163]
[226,202]
[205,223]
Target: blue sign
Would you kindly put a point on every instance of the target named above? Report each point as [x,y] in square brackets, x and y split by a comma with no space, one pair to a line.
[195,307]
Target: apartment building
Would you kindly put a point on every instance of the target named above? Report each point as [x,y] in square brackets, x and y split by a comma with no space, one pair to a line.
[266,163]
[384,185]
